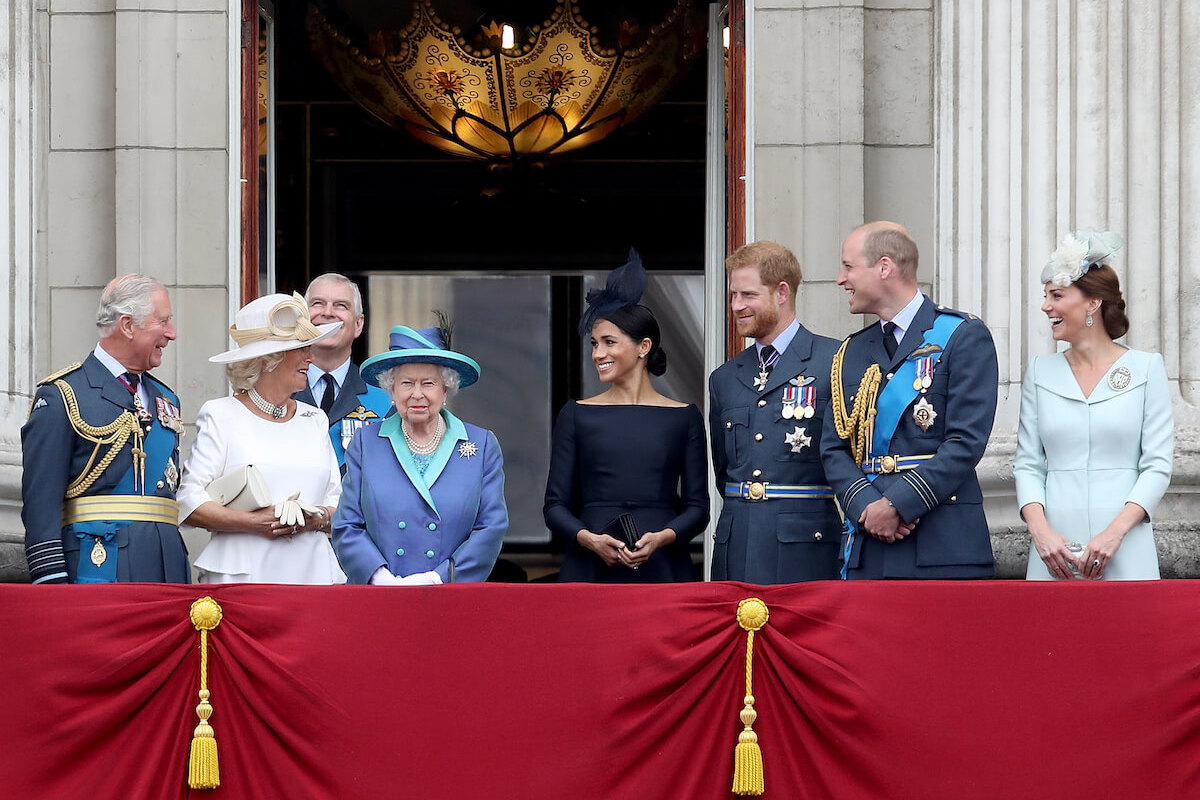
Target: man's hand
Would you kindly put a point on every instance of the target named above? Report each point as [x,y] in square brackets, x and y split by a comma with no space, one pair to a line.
[881,520]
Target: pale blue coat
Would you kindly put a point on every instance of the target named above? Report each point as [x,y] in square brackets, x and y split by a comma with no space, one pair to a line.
[390,516]
[1083,458]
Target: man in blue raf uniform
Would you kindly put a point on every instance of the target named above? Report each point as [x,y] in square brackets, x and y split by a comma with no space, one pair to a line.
[914,396]
[767,404]
[334,384]
[101,453]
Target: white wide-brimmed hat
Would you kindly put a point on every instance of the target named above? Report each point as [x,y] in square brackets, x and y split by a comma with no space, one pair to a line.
[274,323]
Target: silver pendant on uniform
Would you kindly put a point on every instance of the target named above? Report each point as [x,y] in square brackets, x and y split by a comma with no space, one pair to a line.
[760,382]
[99,554]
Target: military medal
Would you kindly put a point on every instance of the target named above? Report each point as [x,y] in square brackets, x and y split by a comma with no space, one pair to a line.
[764,369]
[468,449]
[1120,378]
[99,554]
[808,402]
[349,426]
[924,415]
[789,402]
[924,377]
[797,439]
[168,415]
[356,419]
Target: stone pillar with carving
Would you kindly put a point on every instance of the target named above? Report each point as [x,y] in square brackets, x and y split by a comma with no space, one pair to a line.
[1058,116]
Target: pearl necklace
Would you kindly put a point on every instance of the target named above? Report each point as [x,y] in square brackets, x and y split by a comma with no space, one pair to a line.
[270,409]
[430,447]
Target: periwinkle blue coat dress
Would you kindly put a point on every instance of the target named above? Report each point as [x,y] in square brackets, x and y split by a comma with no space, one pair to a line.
[391,516]
[1084,458]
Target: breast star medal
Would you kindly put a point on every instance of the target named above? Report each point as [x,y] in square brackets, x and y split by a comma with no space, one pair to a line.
[924,415]
[171,473]
[1120,378]
[468,449]
[797,439]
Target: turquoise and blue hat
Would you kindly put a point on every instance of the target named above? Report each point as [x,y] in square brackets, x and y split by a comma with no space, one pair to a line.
[421,346]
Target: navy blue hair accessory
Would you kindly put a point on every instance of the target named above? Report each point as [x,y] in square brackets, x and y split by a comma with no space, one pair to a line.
[623,288]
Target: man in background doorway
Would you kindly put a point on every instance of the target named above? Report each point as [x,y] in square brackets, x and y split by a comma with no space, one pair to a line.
[334,384]
[767,405]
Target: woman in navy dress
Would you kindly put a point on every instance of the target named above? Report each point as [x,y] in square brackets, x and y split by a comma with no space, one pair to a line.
[629,450]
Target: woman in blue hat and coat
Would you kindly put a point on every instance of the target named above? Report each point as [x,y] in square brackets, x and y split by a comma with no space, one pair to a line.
[423,495]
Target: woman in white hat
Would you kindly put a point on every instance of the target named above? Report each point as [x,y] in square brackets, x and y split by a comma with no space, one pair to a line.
[1096,439]
[287,444]
[423,499]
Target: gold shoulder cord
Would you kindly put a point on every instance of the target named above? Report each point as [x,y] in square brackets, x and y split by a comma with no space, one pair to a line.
[857,427]
[115,434]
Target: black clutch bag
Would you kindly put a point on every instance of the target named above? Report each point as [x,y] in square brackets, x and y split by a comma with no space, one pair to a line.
[623,529]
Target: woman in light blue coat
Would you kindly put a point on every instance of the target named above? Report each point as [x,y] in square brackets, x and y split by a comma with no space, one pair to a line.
[1096,438]
[423,495]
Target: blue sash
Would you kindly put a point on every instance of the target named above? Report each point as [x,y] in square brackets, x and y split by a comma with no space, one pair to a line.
[892,402]
[159,445]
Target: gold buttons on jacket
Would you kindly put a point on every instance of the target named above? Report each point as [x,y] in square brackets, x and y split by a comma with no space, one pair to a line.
[762,403]
[817,536]
[757,473]
[758,437]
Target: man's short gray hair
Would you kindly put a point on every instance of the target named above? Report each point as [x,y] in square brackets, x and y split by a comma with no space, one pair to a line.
[450,378]
[336,277]
[128,294]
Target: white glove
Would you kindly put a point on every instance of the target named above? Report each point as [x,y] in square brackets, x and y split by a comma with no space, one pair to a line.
[289,512]
[430,578]
[384,577]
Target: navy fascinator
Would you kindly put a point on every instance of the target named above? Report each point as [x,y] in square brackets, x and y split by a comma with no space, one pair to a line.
[623,288]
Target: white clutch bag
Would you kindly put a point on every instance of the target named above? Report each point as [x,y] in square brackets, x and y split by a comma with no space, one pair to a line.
[243,489]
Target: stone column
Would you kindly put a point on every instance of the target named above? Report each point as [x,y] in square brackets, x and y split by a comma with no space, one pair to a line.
[842,132]
[21,130]
[115,124]
[1057,116]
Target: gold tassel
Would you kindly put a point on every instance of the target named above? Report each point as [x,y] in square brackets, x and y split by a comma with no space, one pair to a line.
[203,771]
[752,615]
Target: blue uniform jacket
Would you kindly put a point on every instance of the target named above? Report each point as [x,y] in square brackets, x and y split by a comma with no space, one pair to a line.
[951,540]
[390,516]
[54,455]
[358,404]
[776,540]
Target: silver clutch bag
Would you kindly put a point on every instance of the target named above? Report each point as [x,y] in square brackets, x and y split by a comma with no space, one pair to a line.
[244,489]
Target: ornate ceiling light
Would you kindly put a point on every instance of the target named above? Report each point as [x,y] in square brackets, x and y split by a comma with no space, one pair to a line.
[555,89]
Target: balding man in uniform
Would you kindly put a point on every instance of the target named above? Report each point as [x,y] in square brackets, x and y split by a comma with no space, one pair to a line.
[101,453]
[914,396]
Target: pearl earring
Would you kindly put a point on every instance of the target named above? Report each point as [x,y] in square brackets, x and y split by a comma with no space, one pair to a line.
[1089,321]
[641,355]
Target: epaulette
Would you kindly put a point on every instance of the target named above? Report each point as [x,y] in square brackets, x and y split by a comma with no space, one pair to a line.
[956,312]
[160,383]
[67,370]
[861,331]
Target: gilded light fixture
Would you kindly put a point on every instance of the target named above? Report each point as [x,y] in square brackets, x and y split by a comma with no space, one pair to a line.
[556,89]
